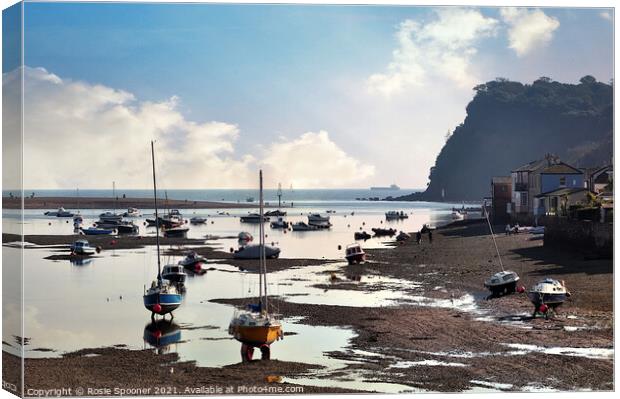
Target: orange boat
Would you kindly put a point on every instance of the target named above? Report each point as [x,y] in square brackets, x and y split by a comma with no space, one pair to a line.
[256,327]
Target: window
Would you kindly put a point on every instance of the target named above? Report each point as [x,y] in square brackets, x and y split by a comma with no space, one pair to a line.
[563,181]
[524,199]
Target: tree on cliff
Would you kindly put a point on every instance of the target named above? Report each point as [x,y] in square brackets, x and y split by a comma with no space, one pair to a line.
[509,124]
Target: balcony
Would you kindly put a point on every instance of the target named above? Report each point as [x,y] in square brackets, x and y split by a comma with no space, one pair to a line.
[521,187]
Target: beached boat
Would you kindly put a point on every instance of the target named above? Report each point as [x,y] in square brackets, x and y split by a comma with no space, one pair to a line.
[176,232]
[354,254]
[505,281]
[279,224]
[82,247]
[96,231]
[162,297]
[174,274]
[166,221]
[379,232]
[361,235]
[395,215]
[256,326]
[316,218]
[132,213]
[60,213]
[249,199]
[194,262]
[402,236]
[549,292]
[253,251]
[301,226]
[198,220]
[277,212]
[254,218]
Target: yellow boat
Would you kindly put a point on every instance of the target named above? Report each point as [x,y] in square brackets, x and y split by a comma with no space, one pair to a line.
[255,327]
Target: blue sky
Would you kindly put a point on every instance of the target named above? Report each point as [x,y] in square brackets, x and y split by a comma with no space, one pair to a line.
[277,72]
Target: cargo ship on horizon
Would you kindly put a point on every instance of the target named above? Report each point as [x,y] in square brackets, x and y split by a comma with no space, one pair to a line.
[391,187]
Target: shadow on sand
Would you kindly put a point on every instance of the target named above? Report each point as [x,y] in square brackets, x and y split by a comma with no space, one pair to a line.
[563,261]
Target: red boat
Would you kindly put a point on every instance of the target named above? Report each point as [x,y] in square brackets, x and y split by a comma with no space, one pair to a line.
[355,254]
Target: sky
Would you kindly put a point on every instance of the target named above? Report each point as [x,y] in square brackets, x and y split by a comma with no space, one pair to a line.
[317,96]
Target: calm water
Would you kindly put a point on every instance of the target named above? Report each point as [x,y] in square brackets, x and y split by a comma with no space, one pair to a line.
[99,303]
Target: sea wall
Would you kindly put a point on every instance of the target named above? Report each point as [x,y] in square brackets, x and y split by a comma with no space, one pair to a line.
[592,238]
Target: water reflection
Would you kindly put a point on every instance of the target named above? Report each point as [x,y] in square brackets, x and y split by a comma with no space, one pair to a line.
[80,260]
[162,335]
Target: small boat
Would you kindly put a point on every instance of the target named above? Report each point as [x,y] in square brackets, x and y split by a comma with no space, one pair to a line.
[383,232]
[256,326]
[354,254]
[110,217]
[174,273]
[193,262]
[132,213]
[361,235]
[402,236]
[321,225]
[60,213]
[279,224]
[244,236]
[82,247]
[127,228]
[277,212]
[395,215]
[175,232]
[254,218]
[198,220]
[549,292]
[96,231]
[457,215]
[504,282]
[253,251]
[317,218]
[167,221]
[301,226]
[162,297]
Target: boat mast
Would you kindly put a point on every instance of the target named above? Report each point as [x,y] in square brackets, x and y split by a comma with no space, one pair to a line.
[156,215]
[78,199]
[263,262]
[114,195]
[484,209]
[279,195]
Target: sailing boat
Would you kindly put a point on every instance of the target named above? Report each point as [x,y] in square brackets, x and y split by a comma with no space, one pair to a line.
[162,298]
[77,218]
[256,327]
[111,217]
[504,282]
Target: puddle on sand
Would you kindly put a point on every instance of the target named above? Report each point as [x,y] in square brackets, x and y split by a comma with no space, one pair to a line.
[590,353]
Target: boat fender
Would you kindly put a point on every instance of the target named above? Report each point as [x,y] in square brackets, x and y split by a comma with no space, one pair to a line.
[157,308]
[543,308]
[520,289]
[98,249]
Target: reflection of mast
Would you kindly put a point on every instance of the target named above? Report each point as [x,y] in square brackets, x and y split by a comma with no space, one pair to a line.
[279,195]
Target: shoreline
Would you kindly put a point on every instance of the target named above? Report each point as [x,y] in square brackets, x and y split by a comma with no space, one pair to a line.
[439,348]
[71,203]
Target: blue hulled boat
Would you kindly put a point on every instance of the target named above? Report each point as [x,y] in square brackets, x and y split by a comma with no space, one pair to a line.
[94,231]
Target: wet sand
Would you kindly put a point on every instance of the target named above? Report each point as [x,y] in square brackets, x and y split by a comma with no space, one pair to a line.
[451,348]
[71,203]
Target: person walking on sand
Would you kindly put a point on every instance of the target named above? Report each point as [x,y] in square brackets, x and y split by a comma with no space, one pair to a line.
[418,237]
[508,229]
[430,236]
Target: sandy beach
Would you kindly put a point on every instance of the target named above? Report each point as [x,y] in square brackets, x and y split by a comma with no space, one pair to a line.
[452,339]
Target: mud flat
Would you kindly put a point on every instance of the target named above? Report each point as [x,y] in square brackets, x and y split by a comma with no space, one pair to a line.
[53,203]
[136,371]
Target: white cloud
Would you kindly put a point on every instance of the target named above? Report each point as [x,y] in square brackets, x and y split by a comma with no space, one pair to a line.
[87,135]
[528,29]
[606,15]
[439,49]
[313,160]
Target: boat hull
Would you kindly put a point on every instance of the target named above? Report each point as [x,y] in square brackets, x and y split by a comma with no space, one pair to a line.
[551,300]
[167,302]
[256,335]
[97,232]
[356,258]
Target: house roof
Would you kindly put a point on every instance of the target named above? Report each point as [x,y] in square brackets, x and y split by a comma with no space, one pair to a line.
[561,168]
[529,167]
[561,192]
[501,180]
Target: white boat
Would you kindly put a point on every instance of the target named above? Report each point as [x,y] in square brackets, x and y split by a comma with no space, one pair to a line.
[549,292]
[354,254]
[61,213]
[395,215]
[457,215]
[110,217]
[317,218]
[132,213]
[504,282]
[82,247]
[301,226]
[279,224]
[174,273]
[198,220]
[256,326]
[253,251]
[254,218]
